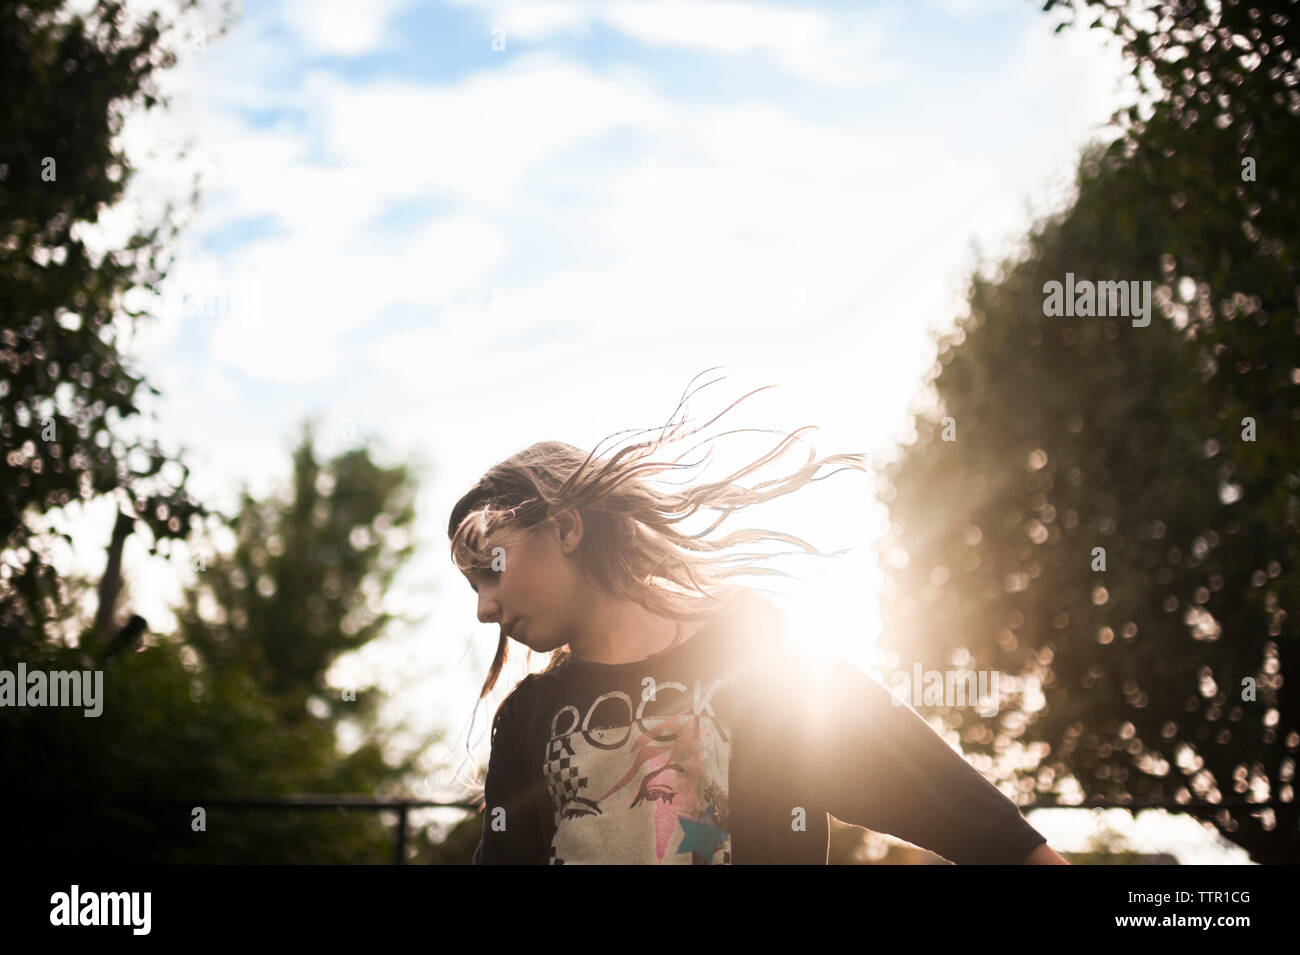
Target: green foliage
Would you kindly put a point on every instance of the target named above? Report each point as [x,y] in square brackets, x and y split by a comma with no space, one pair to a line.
[220,710]
[216,710]
[304,582]
[64,386]
[103,788]
[1077,433]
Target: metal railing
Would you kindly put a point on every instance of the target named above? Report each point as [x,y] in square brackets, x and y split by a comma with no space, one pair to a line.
[363,803]
[403,806]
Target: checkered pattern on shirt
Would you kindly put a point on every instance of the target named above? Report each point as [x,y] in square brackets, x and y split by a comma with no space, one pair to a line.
[562,774]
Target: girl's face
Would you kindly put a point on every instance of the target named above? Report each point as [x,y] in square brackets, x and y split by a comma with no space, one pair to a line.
[533,596]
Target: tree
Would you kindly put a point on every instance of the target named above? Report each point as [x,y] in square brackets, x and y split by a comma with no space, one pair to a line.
[66,389]
[306,580]
[234,704]
[1086,433]
[227,713]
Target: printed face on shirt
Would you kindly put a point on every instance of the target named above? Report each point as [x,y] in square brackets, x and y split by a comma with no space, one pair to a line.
[653,792]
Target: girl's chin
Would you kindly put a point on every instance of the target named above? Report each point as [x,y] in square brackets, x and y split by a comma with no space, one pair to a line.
[539,646]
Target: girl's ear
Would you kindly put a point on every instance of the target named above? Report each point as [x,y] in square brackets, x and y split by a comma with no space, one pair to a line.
[568,524]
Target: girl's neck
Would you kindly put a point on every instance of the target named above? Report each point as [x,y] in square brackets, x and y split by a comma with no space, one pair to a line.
[622,631]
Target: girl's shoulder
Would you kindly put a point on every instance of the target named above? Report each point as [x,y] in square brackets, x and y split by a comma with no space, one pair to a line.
[531,691]
[757,622]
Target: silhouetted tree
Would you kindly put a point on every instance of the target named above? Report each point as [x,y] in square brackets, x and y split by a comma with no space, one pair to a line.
[1170,446]
[305,581]
[65,387]
[226,714]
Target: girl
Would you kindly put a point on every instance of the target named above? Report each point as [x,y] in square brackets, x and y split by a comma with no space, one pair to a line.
[677,721]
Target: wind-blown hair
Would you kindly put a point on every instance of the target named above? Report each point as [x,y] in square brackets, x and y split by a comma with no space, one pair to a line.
[632,547]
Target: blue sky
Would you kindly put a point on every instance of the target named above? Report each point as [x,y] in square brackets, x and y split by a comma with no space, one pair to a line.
[459,228]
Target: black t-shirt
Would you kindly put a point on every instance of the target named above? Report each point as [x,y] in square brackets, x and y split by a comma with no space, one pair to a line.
[730,747]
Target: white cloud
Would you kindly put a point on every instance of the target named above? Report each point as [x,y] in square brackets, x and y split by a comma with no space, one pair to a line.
[477,138]
[835,49]
[342,27]
[733,217]
[971,9]
[307,290]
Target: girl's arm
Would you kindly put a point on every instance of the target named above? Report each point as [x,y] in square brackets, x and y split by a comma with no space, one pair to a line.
[874,762]
[1043,856]
[512,790]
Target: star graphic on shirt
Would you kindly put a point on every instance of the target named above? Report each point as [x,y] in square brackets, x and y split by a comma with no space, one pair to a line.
[701,837]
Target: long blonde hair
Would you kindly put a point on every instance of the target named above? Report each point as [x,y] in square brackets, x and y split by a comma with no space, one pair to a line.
[631,546]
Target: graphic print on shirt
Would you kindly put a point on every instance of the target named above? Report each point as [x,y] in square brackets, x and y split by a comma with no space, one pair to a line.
[640,789]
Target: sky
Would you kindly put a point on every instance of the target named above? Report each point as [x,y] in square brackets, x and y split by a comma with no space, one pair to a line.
[453,229]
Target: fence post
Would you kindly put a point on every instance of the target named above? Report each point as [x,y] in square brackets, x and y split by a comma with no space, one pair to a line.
[401,834]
